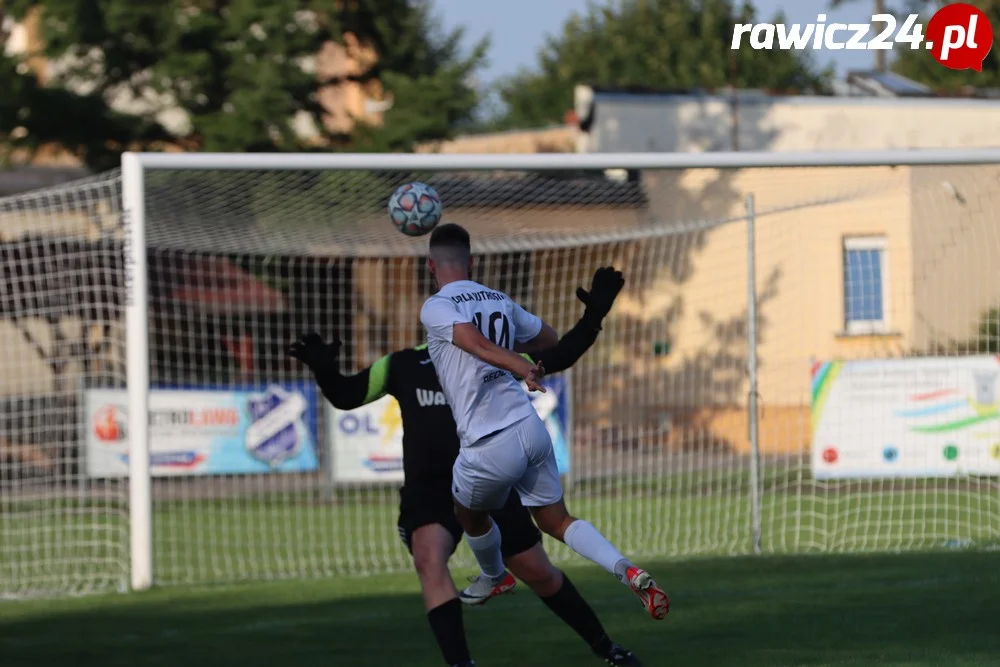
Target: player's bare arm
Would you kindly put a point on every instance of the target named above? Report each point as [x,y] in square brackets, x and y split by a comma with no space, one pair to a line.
[546,339]
[345,392]
[468,338]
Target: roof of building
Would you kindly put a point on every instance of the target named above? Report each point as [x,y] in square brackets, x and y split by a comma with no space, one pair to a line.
[333,212]
[23,178]
[886,84]
[328,212]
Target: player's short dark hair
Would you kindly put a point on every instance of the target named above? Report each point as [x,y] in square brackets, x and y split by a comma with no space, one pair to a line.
[451,236]
[450,244]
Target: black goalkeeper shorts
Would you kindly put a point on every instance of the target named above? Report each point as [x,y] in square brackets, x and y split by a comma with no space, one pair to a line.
[419,508]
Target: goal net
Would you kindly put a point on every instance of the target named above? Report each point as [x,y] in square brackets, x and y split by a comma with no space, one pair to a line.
[872,358]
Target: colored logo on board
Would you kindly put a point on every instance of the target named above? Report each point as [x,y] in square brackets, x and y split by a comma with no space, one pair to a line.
[110,423]
[273,436]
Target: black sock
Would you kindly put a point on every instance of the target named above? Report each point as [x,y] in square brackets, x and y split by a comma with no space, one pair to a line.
[449,631]
[569,605]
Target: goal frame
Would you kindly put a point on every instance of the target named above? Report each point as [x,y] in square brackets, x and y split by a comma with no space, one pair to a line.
[135,165]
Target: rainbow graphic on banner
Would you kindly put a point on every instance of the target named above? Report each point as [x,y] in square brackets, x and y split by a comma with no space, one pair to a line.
[823,375]
[957,412]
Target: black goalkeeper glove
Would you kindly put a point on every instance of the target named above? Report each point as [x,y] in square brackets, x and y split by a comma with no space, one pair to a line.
[604,288]
[320,357]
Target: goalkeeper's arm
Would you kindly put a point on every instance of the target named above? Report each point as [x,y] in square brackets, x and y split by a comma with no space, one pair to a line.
[345,392]
[570,347]
[604,289]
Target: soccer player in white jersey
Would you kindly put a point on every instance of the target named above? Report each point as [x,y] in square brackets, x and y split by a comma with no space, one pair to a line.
[472,334]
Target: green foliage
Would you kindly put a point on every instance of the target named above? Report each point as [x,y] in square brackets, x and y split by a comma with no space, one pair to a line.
[425,73]
[650,44]
[987,338]
[84,124]
[235,67]
[920,66]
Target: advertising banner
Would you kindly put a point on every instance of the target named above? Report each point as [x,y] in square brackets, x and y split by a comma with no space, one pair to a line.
[202,432]
[921,417]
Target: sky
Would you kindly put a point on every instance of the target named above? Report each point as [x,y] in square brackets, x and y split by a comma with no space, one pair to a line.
[519,27]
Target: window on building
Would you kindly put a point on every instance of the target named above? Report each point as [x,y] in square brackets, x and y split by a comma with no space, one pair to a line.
[865,285]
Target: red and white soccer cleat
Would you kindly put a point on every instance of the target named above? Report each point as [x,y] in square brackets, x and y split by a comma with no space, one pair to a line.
[648,591]
[483,588]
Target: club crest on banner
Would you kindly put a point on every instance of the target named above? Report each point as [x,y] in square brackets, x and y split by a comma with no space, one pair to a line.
[272,437]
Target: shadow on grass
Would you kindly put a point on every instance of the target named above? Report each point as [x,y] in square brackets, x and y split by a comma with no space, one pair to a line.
[926,609]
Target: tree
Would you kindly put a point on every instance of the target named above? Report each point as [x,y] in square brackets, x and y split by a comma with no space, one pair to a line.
[920,66]
[32,115]
[917,64]
[650,44]
[235,68]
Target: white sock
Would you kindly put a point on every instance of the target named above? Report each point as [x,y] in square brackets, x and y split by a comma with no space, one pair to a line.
[584,539]
[486,549]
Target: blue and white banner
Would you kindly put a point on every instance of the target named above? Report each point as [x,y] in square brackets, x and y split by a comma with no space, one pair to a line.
[554,408]
[206,432]
[366,443]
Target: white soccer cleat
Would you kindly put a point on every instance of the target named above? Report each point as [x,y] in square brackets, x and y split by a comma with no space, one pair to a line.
[483,588]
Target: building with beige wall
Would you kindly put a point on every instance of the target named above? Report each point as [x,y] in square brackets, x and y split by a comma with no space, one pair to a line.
[756,121]
[917,244]
[930,232]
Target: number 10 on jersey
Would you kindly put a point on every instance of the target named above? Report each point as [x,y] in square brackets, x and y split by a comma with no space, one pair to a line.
[498,328]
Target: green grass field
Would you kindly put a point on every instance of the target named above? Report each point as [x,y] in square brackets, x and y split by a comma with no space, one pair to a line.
[929,609]
[803,604]
[58,546]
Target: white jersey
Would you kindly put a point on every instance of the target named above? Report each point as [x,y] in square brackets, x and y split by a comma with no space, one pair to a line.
[483,398]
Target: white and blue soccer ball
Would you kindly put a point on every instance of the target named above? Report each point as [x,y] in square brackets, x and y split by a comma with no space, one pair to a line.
[415,208]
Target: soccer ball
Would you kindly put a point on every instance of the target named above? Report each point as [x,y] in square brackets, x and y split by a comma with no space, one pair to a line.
[415,208]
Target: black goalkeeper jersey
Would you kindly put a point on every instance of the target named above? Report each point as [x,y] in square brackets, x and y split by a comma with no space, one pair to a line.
[430,438]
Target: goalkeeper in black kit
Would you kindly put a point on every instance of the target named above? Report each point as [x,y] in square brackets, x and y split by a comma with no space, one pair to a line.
[427,522]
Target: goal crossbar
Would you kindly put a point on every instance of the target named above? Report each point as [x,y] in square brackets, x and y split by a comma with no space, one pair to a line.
[558,161]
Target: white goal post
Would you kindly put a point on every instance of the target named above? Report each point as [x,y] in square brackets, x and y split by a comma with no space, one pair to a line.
[802,359]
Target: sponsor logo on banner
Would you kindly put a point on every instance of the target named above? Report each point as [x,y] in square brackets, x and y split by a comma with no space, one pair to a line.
[110,427]
[368,442]
[202,432]
[110,423]
[273,438]
[940,417]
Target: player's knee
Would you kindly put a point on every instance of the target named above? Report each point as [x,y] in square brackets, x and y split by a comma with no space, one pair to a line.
[431,565]
[557,527]
[472,522]
[431,546]
[534,569]
[554,521]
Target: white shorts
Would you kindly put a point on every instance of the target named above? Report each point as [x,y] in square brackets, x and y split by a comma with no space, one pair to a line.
[519,457]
